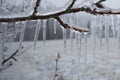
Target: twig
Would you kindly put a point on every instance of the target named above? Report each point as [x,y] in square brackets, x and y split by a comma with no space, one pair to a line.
[71,5]
[36,7]
[56,67]
[67,26]
[6,60]
[11,57]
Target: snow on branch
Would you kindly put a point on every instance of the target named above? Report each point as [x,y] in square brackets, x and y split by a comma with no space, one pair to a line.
[98,9]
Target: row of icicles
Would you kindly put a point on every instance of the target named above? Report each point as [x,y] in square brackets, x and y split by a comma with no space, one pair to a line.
[102,26]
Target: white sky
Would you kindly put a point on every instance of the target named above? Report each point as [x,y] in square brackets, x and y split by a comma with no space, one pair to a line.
[109,3]
[113,3]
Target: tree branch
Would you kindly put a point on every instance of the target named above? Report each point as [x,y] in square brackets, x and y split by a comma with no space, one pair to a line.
[45,16]
[100,1]
[36,7]
[11,57]
[56,14]
[56,67]
[99,5]
[67,26]
[66,11]
[71,5]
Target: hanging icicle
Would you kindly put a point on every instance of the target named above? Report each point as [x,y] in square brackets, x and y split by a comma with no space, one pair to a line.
[64,37]
[119,30]
[85,52]
[55,25]
[94,34]
[80,46]
[4,38]
[37,32]
[115,22]
[17,24]
[85,36]
[100,27]
[2,41]
[107,30]
[118,27]
[22,32]
[113,26]
[44,30]
[1,47]
[71,38]
[76,38]
[71,30]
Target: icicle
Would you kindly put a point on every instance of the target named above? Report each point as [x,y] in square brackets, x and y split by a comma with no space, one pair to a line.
[93,32]
[16,29]
[37,32]
[71,30]
[85,53]
[80,46]
[85,36]
[64,37]
[3,33]
[100,27]
[55,25]
[112,26]
[119,30]
[23,26]
[1,48]
[71,38]
[44,30]
[115,19]
[2,42]
[77,38]
[10,31]
[107,30]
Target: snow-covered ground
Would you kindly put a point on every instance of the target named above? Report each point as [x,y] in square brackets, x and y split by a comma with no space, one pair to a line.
[39,64]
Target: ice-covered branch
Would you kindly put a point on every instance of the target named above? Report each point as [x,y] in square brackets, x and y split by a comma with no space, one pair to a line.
[69,27]
[59,13]
[99,9]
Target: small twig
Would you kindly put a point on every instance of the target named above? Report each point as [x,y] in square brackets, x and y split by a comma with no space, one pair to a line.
[36,7]
[99,4]
[11,57]
[100,1]
[71,5]
[56,67]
